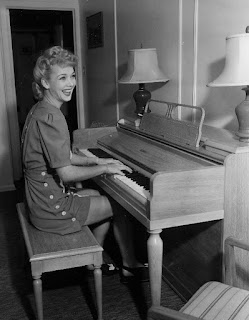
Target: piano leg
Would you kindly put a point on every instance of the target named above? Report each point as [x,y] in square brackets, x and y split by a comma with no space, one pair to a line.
[155,259]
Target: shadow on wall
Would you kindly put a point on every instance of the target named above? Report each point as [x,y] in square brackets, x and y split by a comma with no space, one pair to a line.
[220,102]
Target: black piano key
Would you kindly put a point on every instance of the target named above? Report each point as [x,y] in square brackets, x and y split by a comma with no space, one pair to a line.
[140,179]
[99,153]
[136,176]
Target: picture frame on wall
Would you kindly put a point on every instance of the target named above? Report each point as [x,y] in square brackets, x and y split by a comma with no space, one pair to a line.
[94,25]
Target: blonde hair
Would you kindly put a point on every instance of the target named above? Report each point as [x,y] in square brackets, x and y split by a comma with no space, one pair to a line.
[53,56]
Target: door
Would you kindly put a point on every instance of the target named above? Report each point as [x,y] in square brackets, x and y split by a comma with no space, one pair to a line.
[32,31]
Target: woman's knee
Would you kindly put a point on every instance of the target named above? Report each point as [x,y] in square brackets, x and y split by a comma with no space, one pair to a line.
[104,207]
[88,192]
[100,209]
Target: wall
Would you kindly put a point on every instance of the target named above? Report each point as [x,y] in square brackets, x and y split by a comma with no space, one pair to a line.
[100,70]
[190,39]
[6,182]
[227,17]
[148,24]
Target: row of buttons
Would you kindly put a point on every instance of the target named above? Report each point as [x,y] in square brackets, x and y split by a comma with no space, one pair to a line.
[46,185]
[43,173]
[52,197]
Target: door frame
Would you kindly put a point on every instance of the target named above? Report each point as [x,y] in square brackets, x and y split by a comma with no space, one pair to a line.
[8,66]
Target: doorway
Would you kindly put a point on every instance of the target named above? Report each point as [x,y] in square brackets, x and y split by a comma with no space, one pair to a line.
[32,31]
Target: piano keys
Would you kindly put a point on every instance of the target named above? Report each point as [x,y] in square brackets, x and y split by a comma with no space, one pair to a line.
[189,173]
[135,181]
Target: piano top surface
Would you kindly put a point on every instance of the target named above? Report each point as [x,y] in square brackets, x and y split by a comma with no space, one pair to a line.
[153,155]
[129,144]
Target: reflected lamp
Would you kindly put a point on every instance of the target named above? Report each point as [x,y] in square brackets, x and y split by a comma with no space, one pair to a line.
[236,74]
[142,68]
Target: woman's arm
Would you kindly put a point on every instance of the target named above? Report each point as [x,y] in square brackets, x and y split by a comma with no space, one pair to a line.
[75,173]
[79,160]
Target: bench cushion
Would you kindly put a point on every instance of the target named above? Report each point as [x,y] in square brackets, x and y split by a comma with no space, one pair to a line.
[44,245]
[215,300]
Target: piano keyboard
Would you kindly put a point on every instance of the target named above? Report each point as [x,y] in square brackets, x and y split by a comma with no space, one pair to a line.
[134,180]
[133,185]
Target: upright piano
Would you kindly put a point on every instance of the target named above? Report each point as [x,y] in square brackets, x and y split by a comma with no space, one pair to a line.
[184,173]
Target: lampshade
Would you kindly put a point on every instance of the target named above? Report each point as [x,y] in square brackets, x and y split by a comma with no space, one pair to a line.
[236,70]
[143,67]
[236,73]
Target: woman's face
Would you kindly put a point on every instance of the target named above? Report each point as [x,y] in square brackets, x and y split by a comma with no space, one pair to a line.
[60,85]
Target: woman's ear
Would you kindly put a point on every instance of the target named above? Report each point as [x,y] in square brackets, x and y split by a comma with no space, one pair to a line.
[44,83]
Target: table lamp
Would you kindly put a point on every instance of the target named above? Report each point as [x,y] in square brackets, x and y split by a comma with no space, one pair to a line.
[142,68]
[236,74]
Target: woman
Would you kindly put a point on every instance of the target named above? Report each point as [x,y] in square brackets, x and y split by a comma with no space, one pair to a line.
[49,164]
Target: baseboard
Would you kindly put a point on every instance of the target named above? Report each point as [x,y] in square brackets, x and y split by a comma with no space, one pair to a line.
[176,285]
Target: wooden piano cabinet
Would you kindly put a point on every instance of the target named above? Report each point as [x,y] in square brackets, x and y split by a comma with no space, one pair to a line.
[187,195]
[185,236]
[236,219]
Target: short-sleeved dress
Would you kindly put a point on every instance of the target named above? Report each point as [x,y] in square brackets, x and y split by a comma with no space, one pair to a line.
[45,147]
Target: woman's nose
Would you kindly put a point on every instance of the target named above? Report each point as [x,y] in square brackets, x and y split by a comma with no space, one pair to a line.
[71,81]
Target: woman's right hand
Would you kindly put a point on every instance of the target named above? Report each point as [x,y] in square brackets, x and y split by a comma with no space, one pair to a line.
[117,168]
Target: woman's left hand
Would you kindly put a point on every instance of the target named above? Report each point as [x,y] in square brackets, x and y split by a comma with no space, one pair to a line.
[102,161]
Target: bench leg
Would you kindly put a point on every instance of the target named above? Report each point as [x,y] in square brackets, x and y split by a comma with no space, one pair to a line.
[37,285]
[98,289]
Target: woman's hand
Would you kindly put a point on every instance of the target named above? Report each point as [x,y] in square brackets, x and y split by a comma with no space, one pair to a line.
[102,161]
[117,168]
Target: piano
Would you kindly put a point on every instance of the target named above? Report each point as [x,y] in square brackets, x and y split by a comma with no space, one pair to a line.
[185,173]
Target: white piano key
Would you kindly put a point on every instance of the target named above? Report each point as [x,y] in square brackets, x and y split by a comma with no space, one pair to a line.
[127,181]
[133,185]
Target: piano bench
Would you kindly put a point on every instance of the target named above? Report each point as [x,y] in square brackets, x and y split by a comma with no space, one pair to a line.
[50,252]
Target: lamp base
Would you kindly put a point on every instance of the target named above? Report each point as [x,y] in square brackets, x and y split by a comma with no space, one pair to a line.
[141,97]
[242,113]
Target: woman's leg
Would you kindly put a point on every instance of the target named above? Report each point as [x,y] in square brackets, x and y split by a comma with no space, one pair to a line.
[124,235]
[100,209]
[99,214]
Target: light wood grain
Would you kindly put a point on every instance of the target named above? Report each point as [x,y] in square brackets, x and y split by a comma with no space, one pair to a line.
[187,192]
[187,185]
[52,252]
[236,219]
[169,126]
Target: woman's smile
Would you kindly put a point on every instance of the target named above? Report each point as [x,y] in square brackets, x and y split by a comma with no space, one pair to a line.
[60,85]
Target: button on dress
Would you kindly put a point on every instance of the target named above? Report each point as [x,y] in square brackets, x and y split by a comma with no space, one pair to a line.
[45,147]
